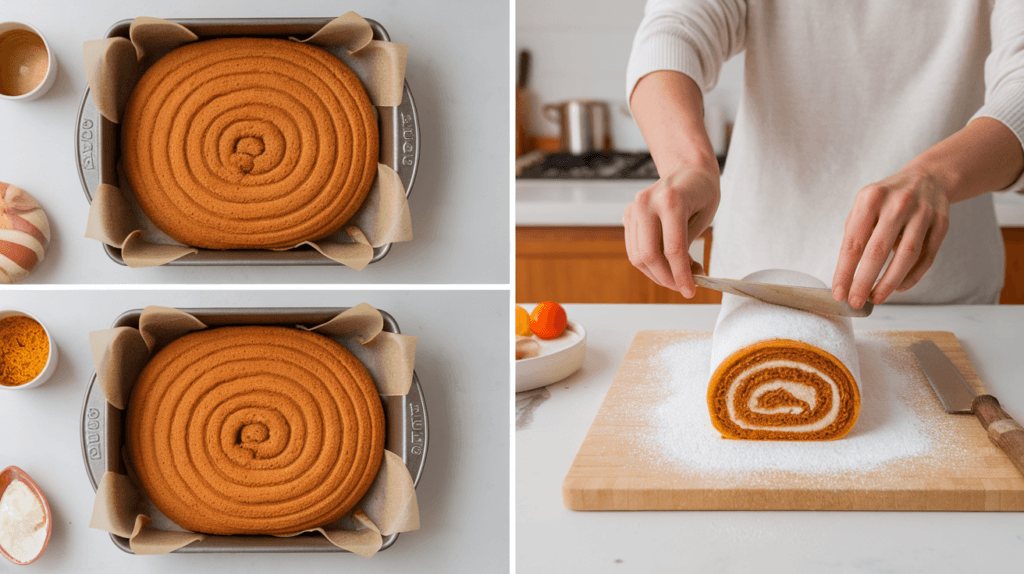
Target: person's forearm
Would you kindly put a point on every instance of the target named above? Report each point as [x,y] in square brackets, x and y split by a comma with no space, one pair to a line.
[668,107]
[983,156]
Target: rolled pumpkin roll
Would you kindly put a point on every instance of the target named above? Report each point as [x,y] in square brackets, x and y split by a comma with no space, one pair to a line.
[779,373]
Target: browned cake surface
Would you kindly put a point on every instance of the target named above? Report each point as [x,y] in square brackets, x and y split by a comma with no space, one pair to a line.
[249,143]
[254,430]
[804,413]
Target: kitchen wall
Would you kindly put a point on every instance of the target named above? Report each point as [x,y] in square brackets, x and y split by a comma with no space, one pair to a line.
[580,48]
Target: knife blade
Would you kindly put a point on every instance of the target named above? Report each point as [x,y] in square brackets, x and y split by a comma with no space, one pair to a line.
[957,397]
[954,393]
[813,299]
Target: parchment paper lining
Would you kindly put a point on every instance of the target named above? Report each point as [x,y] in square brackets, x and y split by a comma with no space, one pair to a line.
[121,506]
[114,65]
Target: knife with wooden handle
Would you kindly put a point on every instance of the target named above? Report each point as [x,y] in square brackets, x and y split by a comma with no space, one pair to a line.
[813,299]
[957,397]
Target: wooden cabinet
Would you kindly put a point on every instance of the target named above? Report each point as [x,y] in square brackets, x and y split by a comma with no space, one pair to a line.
[1013,287]
[589,265]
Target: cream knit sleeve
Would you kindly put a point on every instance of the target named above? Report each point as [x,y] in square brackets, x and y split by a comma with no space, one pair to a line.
[1004,72]
[694,37]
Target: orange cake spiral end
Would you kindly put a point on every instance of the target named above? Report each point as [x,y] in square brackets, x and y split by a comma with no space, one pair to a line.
[783,390]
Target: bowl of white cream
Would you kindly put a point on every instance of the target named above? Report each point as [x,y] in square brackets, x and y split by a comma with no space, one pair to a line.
[25,523]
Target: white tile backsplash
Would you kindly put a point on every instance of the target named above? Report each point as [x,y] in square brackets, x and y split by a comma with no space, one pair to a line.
[579,49]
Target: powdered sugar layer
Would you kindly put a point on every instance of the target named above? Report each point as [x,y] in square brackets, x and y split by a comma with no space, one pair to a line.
[681,433]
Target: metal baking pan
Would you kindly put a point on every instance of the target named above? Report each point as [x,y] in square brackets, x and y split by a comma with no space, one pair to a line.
[97,145]
[101,426]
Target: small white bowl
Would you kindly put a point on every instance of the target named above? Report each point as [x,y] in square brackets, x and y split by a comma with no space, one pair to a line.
[51,360]
[51,67]
[546,369]
[9,475]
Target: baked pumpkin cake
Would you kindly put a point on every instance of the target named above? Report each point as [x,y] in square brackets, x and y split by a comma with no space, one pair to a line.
[249,143]
[254,430]
[779,373]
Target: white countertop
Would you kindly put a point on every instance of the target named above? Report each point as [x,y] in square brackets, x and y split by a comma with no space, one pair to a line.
[550,538]
[462,361]
[458,72]
[568,202]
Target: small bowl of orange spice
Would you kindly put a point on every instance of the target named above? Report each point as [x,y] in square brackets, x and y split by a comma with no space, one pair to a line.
[28,356]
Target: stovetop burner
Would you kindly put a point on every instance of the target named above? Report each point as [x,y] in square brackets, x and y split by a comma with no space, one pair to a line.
[595,165]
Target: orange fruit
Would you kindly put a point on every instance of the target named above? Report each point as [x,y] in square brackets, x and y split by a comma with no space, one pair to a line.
[547,320]
[522,322]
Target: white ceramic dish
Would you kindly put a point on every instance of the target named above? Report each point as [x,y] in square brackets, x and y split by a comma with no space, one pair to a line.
[51,67]
[51,361]
[9,475]
[550,368]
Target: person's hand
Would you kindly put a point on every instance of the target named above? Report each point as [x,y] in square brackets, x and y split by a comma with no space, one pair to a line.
[906,214]
[665,218]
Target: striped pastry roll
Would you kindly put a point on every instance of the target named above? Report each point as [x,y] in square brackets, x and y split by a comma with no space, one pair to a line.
[779,373]
[24,233]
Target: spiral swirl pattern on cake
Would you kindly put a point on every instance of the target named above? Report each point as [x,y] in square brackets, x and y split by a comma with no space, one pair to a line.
[249,143]
[781,373]
[783,390]
[254,430]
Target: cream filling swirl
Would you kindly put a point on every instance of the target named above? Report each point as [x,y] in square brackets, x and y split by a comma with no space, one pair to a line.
[806,393]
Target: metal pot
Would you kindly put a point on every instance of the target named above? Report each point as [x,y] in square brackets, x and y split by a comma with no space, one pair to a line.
[584,125]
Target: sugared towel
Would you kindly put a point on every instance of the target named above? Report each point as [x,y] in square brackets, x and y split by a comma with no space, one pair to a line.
[779,373]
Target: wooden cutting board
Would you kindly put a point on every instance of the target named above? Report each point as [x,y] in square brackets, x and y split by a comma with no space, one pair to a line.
[621,467]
